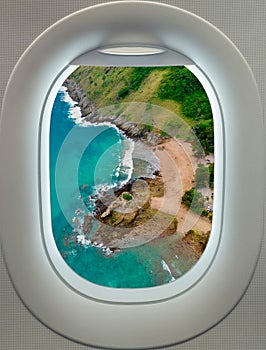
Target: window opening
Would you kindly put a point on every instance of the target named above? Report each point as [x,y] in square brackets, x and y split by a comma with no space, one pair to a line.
[131,173]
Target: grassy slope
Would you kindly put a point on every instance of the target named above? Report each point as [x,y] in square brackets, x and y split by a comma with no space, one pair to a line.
[102,86]
[99,86]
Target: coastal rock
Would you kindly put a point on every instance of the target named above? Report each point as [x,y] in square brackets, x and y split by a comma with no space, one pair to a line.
[129,220]
[156,186]
[154,139]
[197,241]
[124,209]
[171,228]
[126,218]
[84,103]
[78,95]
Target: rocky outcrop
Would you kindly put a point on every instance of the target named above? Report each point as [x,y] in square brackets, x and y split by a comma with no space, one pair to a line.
[156,185]
[79,96]
[128,219]
[197,241]
[131,200]
[120,230]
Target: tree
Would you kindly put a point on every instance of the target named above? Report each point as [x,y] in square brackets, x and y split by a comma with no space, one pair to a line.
[178,83]
[194,200]
[205,134]
[197,106]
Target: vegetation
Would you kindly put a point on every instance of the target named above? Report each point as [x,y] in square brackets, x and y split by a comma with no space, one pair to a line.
[174,88]
[194,200]
[177,84]
[205,213]
[138,75]
[202,176]
[123,92]
[148,127]
[127,196]
[181,85]
[196,106]
[205,134]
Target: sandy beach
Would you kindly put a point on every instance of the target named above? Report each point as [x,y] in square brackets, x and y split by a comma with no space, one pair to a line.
[178,166]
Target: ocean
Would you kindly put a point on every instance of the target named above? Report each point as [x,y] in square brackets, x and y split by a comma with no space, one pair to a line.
[86,159]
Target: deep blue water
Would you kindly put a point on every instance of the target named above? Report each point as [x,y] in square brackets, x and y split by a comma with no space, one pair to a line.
[82,159]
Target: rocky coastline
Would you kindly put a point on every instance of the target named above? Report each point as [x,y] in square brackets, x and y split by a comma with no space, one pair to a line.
[90,114]
[130,213]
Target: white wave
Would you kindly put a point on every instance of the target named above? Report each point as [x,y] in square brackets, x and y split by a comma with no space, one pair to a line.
[126,164]
[123,169]
[74,109]
[101,189]
[127,160]
[88,243]
[75,114]
[85,123]
[107,251]
[66,97]
[166,268]
[83,241]
[63,89]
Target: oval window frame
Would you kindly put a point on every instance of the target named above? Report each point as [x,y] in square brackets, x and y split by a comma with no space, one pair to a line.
[124,295]
[165,26]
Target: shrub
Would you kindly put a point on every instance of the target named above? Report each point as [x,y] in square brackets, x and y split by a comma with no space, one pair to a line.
[123,92]
[178,84]
[194,200]
[127,196]
[148,127]
[205,213]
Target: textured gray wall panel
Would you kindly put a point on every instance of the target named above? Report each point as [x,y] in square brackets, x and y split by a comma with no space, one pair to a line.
[244,21]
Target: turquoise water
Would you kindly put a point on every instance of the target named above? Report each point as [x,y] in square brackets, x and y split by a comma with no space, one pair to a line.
[84,160]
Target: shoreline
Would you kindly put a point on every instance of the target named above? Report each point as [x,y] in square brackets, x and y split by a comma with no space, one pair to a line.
[90,114]
[177,175]
[177,166]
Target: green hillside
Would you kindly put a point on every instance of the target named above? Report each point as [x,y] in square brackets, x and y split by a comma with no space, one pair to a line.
[173,88]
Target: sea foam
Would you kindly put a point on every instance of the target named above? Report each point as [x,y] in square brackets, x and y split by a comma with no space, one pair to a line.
[74,109]
[122,173]
[126,163]
[166,268]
